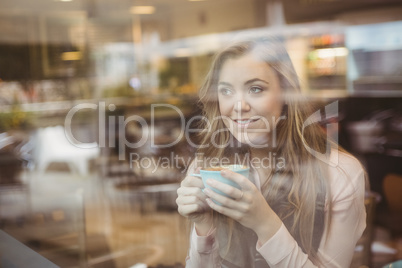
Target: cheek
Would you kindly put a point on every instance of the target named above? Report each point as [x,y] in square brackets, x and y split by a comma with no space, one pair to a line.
[271,107]
[276,111]
[224,107]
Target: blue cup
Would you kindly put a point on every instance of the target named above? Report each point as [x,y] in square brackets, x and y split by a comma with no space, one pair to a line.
[397,264]
[215,173]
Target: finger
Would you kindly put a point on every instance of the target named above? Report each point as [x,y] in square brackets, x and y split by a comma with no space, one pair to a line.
[225,201]
[191,191]
[231,213]
[192,181]
[225,188]
[242,181]
[189,200]
[186,210]
[190,207]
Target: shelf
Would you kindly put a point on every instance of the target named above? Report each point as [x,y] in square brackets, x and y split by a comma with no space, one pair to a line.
[377,93]
[378,80]
[343,93]
[62,107]
[327,94]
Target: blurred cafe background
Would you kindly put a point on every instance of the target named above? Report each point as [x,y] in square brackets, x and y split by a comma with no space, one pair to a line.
[82,81]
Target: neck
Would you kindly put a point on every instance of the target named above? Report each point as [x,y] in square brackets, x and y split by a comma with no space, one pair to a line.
[261,153]
[262,160]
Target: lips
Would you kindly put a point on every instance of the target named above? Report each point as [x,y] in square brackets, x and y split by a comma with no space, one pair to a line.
[244,122]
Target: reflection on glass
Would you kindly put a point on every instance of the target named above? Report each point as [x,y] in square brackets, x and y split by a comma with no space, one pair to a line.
[108,63]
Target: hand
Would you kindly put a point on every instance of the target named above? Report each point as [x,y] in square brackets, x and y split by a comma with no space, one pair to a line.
[246,205]
[192,203]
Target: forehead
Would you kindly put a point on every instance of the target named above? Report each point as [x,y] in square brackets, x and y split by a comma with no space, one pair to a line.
[247,66]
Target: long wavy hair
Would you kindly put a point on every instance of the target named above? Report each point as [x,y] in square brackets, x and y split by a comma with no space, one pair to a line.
[291,191]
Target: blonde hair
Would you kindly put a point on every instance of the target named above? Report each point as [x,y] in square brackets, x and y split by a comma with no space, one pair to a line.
[293,190]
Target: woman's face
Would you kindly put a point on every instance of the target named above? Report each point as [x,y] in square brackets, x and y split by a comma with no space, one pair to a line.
[250,99]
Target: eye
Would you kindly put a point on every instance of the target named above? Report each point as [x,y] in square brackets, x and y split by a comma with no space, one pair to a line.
[225,91]
[255,89]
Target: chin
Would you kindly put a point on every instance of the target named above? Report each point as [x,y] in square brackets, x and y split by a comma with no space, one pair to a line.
[253,140]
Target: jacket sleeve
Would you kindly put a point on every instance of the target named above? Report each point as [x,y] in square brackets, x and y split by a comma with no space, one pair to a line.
[348,221]
[204,251]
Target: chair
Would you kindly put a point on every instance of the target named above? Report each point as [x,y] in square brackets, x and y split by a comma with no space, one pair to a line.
[392,187]
[393,192]
[52,146]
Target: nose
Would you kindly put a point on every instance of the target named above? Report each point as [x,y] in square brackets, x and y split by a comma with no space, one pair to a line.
[241,105]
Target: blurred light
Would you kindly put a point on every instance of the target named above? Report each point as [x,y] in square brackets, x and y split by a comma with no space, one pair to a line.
[135,83]
[332,52]
[196,0]
[76,55]
[139,265]
[63,0]
[183,52]
[142,10]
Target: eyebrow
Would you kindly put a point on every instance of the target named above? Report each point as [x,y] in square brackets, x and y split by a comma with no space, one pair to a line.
[247,82]
[256,80]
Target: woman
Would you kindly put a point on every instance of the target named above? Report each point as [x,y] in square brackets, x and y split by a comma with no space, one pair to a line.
[307,211]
